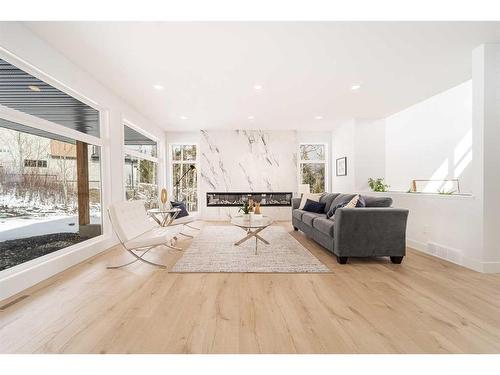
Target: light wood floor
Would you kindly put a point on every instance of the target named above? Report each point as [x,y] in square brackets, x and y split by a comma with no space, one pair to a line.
[425,305]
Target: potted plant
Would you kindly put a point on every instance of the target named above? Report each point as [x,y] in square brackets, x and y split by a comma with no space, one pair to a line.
[378,184]
[245,209]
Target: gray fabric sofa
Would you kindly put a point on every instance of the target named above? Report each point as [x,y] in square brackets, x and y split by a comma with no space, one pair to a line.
[376,230]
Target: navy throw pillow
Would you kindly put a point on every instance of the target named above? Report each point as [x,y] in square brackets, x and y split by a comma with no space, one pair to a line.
[316,207]
[183,212]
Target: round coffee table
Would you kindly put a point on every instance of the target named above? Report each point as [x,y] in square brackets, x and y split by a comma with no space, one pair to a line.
[253,226]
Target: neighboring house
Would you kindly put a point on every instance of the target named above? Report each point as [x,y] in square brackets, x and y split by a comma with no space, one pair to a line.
[23,154]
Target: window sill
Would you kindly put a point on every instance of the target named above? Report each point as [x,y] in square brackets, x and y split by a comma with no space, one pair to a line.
[424,195]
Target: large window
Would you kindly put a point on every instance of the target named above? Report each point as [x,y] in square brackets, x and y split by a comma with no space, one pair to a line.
[50,192]
[313,166]
[50,168]
[184,179]
[140,167]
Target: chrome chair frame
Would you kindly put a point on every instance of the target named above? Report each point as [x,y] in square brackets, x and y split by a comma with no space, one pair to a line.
[145,249]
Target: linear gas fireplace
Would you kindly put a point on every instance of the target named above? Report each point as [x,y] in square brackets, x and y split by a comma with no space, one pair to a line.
[229,199]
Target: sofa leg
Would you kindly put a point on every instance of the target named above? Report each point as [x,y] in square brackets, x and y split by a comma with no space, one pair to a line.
[295,229]
[342,260]
[396,260]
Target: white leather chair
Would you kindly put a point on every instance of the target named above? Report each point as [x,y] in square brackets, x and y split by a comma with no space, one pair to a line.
[137,232]
[185,222]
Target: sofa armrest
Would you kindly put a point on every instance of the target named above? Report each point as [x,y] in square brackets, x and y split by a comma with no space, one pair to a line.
[367,232]
[295,203]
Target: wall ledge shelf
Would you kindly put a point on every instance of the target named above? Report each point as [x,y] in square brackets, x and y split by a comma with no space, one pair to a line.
[422,195]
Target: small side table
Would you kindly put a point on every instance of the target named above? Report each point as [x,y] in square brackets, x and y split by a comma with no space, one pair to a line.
[164,217]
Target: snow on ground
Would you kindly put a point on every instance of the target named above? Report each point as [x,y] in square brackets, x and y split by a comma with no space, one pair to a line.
[21,222]
[12,205]
[22,218]
[14,228]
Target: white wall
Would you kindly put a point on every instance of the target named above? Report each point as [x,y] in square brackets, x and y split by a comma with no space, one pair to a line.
[432,140]
[437,138]
[362,141]
[370,152]
[343,145]
[448,227]
[21,47]
[486,141]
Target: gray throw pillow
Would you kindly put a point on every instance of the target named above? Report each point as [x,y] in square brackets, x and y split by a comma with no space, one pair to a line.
[372,201]
[340,201]
[327,199]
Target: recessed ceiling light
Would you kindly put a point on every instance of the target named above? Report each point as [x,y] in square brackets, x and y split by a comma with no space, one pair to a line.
[158,87]
[355,87]
[257,87]
[318,117]
[34,88]
[251,117]
[183,117]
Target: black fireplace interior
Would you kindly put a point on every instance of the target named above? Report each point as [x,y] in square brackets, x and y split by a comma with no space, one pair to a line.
[229,199]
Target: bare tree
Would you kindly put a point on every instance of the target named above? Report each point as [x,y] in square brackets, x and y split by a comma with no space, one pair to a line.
[66,165]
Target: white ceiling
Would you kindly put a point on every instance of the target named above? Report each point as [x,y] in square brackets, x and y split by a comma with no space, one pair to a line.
[208,70]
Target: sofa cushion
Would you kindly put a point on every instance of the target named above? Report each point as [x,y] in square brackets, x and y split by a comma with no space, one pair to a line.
[324,225]
[357,201]
[327,199]
[353,202]
[312,196]
[309,217]
[298,214]
[361,202]
[371,201]
[312,206]
[340,201]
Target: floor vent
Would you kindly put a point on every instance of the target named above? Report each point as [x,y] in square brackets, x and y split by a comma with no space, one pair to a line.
[444,252]
[13,302]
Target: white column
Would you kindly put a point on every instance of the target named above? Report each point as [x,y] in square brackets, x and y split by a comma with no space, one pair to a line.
[486,149]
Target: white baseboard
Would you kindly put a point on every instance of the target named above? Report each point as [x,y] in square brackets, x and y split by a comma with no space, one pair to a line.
[471,263]
[19,278]
[491,267]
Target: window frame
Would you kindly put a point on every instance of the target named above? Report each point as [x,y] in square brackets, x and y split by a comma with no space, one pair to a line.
[326,163]
[22,118]
[139,155]
[17,278]
[196,162]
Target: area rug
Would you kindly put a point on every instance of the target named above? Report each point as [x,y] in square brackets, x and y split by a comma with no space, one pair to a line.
[213,250]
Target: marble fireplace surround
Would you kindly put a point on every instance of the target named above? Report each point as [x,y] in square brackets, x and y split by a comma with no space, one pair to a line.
[246,161]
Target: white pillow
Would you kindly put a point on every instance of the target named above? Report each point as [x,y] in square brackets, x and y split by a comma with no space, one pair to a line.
[311,196]
[353,202]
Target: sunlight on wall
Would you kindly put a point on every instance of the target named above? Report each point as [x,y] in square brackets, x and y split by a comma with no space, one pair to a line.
[440,174]
[462,157]
[463,154]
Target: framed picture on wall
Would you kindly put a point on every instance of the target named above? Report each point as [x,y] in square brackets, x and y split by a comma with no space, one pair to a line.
[341,166]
